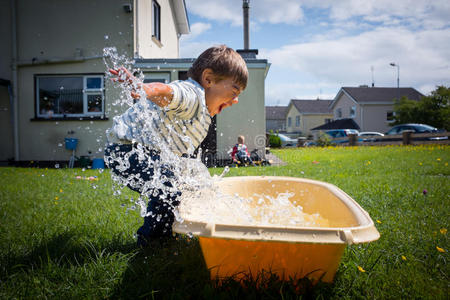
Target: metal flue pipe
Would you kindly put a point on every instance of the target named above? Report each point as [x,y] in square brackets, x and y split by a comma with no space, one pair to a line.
[246,7]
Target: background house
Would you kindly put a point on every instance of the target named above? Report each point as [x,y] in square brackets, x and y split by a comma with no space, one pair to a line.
[245,118]
[302,115]
[372,108]
[53,82]
[276,118]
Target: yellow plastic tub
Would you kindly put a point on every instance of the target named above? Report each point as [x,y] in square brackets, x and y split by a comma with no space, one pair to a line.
[238,251]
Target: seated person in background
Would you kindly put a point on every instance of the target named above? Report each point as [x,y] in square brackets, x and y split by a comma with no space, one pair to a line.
[240,152]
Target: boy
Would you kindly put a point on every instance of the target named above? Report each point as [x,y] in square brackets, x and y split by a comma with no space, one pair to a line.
[174,122]
[240,152]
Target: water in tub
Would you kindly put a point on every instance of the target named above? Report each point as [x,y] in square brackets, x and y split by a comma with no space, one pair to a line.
[201,201]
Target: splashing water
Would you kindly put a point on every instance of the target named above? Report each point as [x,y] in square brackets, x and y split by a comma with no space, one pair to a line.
[256,210]
[188,173]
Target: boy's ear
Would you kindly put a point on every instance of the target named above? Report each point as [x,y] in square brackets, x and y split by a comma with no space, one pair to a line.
[207,77]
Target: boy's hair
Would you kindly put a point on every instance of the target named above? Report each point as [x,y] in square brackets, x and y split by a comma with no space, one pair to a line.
[241,139]
[224,62]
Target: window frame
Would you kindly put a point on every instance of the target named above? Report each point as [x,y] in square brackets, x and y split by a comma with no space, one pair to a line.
[289,122]
[163,77]
[156,20]
[352,112]
[390,116]
[339,113]
[85,93]
[297,121]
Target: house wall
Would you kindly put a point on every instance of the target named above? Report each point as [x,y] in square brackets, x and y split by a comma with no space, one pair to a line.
[245,118]
[67,31]
[345,103]
[309,121]
[292,113]
[145,45]
[374,117]
[6,132]
[276,125]
[47,30]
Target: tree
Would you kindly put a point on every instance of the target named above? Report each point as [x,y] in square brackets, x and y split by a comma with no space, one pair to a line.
[433,110]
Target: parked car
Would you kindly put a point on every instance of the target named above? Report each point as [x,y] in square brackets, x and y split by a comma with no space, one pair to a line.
[369,136]
[287,141]
[339,133]
[417,128]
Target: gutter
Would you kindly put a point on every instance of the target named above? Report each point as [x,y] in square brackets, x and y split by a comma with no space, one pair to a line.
[56,60]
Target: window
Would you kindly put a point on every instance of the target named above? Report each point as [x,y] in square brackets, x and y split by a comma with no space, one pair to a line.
[339,113]
[352,111]
[390,116]
[289,122]
[69,96]
[157,77]
[297,121]
[156,12]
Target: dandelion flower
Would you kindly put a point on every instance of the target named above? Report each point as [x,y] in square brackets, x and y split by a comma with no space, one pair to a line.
[438,159]
[361,269]
[440,249]
[56,198]
[378,221]
[403,257]
[443,230]
[60,190]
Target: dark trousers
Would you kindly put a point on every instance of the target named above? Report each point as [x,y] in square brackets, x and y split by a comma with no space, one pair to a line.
[134,166]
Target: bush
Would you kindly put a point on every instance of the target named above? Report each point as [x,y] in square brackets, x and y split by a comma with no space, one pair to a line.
[274,141]
[323,140]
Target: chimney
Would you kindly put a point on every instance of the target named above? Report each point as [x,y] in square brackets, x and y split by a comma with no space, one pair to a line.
[245,8]
[247,52]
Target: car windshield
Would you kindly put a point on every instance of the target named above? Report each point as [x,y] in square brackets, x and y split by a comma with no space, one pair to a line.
[425,128]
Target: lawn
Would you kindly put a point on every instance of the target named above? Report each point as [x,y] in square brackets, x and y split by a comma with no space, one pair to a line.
[65,234]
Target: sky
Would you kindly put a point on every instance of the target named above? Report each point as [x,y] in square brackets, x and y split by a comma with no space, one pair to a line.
[315,47]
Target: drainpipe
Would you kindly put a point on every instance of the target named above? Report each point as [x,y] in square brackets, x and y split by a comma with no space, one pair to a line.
[14,80]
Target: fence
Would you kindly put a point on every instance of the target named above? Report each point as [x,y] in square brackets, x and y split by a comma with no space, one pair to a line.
[406,138]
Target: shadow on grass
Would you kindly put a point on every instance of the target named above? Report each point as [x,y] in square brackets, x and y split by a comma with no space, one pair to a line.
[175,269]
[172,268]
[65,250]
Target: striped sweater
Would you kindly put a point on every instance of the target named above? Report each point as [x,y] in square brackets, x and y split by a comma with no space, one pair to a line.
[180,127]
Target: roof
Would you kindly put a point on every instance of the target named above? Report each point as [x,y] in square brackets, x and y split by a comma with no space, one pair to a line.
[181,16]
[313,106]
[380,94]
[276,112]
[338,124]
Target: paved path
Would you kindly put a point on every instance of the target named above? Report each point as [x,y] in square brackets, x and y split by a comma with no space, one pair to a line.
[274,160]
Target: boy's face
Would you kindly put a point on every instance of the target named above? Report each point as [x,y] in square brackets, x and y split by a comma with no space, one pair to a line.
[221,94]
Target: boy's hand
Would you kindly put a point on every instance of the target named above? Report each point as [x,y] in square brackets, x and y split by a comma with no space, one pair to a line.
[123,75]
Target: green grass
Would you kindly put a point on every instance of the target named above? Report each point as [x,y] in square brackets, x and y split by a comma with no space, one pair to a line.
[68,238]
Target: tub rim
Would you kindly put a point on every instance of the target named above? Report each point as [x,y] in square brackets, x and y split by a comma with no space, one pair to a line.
[363,233]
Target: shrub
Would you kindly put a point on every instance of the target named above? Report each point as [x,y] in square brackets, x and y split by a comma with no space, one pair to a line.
[274,141]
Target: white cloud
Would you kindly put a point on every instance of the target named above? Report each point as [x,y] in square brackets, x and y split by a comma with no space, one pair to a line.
[424,60]
[421,55]
[196,30]
[263,11]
